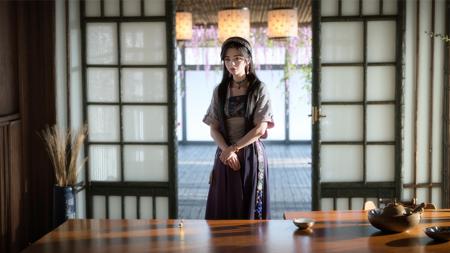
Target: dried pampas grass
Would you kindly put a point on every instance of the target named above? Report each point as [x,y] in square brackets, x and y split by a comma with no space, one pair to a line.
[64,147]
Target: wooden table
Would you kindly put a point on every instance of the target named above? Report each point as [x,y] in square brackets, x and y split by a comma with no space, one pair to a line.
[350,231]
[334,231]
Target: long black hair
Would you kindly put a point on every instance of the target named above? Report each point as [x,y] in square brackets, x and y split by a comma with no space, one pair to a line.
[244,47]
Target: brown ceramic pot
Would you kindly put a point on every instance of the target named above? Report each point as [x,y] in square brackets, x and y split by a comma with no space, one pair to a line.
[397,223]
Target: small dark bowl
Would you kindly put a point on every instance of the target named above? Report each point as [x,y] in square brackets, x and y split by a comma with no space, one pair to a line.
[438,233]
[394,224]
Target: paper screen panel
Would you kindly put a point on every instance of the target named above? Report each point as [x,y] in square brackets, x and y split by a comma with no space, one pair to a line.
[341,163]
[99,210]
[104,163]
[380,83]
[162,207]
[342,42]
[102,85]
[342,123]
[342,84]
[144,85]
[381,41]
[131,7]
[145,123]
[112,8]
[146,163]
[103,123]
[101,43]
[380,163]
[154,7]
[138,43]
[381,122]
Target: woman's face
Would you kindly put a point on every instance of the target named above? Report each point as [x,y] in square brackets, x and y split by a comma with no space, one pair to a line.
[235,62]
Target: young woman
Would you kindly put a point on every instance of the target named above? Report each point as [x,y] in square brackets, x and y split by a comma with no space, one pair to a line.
[239,115]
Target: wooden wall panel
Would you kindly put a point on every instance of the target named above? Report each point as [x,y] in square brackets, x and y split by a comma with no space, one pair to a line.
[27,105]
[9,105]
[36,68]
[18,222]
[12,184]
[8,59]
[4,209]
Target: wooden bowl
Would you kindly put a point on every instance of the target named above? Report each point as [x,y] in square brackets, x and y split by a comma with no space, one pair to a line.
[394,224]
[303,223]
[438,233]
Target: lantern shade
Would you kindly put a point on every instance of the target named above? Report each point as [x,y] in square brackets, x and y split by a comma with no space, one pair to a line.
[234,22]
[282,23]
[183,25]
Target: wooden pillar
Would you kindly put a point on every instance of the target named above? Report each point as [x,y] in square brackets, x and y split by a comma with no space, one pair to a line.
[36,69]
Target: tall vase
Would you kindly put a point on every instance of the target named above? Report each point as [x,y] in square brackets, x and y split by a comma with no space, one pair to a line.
[64,204]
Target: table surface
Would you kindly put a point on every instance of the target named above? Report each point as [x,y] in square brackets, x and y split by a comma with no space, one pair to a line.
[334,231]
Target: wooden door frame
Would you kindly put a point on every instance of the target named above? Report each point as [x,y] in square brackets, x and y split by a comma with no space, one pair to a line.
[446,114]
[123,188]
[364,189]
[315,102]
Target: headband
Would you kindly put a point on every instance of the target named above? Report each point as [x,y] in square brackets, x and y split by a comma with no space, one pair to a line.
[237,40]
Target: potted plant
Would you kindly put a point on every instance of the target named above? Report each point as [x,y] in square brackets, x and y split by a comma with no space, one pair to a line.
[64,147]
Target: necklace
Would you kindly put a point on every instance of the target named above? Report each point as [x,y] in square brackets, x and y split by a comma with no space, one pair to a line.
[240,83]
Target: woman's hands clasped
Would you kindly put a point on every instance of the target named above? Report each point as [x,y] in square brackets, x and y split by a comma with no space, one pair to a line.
[230,158]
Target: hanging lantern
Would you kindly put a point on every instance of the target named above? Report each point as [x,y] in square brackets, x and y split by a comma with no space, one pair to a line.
[234,22]
[183,25]
[282,23]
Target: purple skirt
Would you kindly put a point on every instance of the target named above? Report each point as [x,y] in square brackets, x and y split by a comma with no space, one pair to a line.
[242,194]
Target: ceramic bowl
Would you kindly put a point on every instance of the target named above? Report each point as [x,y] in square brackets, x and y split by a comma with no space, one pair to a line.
[438,233]
[303,223]
[394,224]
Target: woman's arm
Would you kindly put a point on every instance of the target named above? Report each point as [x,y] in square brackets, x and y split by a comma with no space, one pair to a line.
[232,159]
[217,136]
[252,136]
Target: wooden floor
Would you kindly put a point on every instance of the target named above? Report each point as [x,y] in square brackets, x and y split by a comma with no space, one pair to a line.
[289,170]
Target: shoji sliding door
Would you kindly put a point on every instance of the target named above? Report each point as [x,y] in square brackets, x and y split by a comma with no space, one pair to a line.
[357,90]
[129,105]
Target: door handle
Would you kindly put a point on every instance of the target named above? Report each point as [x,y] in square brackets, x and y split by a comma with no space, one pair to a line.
[315,114]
